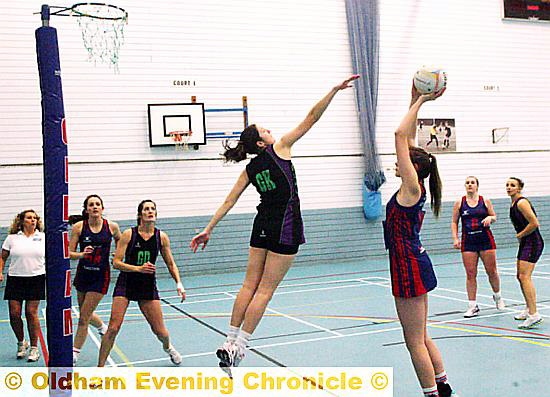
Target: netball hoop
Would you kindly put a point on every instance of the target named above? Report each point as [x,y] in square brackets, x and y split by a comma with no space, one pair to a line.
[102,28]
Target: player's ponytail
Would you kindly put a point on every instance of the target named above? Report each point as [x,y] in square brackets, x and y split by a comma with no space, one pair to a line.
[435,187]
[426,166]
[246,145]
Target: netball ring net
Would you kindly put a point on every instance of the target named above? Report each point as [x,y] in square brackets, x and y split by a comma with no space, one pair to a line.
[102,27]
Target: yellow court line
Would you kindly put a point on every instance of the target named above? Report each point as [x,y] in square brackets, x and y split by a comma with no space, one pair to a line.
[473,331]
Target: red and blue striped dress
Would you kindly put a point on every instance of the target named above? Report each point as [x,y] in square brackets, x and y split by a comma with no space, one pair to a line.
[411,269]
[475,236]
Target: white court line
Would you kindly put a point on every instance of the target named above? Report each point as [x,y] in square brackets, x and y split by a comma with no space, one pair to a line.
[372,332]
[379,331]
[94,338]
[299,320]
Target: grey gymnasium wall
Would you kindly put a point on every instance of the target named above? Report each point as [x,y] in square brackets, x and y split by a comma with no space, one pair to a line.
[284,56]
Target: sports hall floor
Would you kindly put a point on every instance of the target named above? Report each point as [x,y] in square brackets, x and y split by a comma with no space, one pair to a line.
[342,314]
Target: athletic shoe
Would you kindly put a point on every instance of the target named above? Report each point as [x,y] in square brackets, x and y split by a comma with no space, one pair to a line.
[102,330]
[75,357]
[226,369]
[531,321]
[521,316]
[499,302]
[472,312]
[444,390]
[175,357]
[22,349]
[34,354]
[230,355]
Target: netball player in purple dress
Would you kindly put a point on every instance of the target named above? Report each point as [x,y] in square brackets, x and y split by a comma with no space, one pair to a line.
[135,257]
[476,214]
[531,244]
[94,235]
[277,231]
[411,270]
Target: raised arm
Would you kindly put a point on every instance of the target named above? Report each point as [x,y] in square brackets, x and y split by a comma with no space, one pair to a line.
[285,143]
[166,252]
[405,136]
[525,208]
[454,224]
[232,198]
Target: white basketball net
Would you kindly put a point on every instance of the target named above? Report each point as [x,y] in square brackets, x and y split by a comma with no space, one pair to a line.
[102,28]
[181,139]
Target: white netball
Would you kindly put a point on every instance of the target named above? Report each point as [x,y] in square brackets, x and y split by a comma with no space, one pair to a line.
[430,79]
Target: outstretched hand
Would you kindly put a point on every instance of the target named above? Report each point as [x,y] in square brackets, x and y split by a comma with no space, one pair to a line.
[346,83]
[201,238]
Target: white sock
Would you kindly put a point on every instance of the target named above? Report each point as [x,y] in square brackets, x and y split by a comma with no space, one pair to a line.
[534,316]
[497,295]
[472,303]
[232,334]
[242,340]
[430,391]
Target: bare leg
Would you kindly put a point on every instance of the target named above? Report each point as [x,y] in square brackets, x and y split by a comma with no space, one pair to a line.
[276,267]
[470,265]
[87,303]
[412,313]
[16,322]
[153,314]
[33,322]
[489,259]
[524,272]
[118,310]
[254,272]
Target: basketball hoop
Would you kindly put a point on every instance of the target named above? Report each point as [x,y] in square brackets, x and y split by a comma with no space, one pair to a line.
[102,27]
[181,139]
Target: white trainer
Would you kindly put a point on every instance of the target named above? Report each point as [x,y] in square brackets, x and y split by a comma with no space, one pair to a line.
[499,302]
[472,312]
[175,357]
[531,322]
[102,330]
[34,354]
[521,316]
[22,349]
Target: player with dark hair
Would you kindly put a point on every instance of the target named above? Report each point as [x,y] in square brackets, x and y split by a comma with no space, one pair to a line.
[476,214]
[277,232]
[411,270]
[135,257]
[531,245]
[94,235]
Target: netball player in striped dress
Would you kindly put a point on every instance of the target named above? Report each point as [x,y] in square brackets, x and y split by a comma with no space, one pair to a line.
[135,257]
[411,270]
[93,234]
[531,244]
[277,231]
[476,214]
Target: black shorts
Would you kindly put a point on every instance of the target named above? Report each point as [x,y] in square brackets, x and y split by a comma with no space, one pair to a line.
[263,238]
[25,288]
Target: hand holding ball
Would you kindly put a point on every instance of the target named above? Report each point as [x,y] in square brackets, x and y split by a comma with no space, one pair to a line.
[428,80]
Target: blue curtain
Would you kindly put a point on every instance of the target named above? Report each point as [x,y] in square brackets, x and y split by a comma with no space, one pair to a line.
[363,29]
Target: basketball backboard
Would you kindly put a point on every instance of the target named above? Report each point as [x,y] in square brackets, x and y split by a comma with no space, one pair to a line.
[165,118]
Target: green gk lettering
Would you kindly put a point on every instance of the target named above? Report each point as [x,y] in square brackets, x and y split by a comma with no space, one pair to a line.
[264,181]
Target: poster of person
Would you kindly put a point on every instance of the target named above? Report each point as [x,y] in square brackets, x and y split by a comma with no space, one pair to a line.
[436,135]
